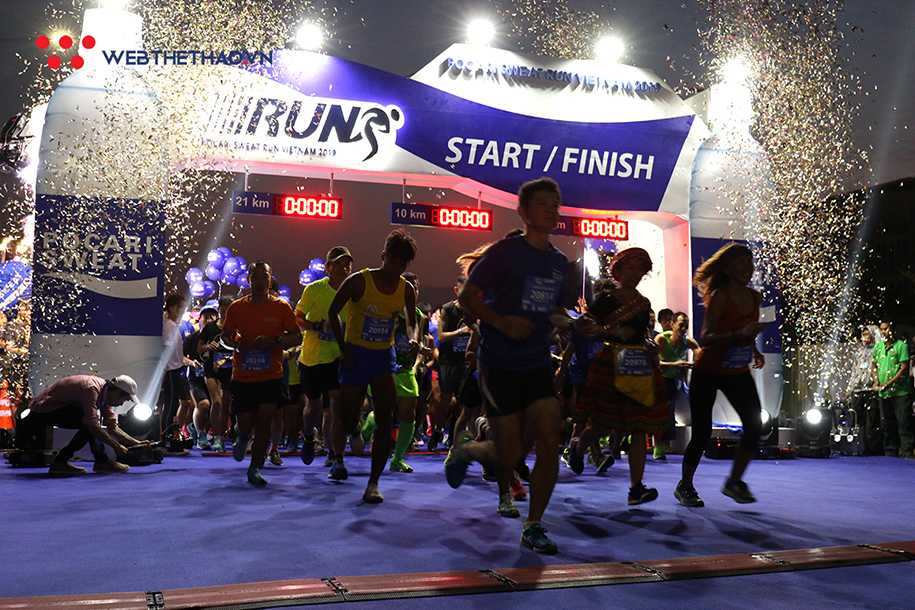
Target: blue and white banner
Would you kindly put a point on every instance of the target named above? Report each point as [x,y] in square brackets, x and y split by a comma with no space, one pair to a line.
[610,144]
[99,266]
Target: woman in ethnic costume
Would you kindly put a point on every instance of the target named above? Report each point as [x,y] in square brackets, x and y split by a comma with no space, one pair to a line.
[625,390]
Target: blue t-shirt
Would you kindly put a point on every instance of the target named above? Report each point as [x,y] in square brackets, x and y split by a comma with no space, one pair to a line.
[518,279]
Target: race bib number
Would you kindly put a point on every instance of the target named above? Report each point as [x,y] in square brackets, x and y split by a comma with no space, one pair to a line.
[460,343]
[737,357]
[377,330]
[633,361]
[327,334]
[540,294]
[220,356]
[401,343]
[256,360]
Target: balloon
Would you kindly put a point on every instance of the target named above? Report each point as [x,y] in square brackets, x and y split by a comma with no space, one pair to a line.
[242,263]
[306,277]
[317,265]
[228,278]
[193,275]
[197,289]
[209,289]
[216,259]
[225,252]
[285,293]
[243,281]
[214,273]
[231,267]
[213,303]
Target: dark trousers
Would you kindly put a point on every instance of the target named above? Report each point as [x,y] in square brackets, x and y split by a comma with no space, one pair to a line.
[896,422]
[740,390]
[170,397]
[69,417]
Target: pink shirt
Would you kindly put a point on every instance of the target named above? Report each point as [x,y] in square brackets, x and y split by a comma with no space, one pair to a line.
[88,391]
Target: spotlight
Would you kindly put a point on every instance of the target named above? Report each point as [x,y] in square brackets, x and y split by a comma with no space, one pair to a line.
[846,437]
[480,32]
[610,48]
[592,263]
[813,417]
[115,4]
[814,432]
[310,37]
[138,421]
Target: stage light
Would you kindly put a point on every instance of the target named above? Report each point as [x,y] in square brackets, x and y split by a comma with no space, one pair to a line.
[815,433]
[115,4]
[610,48]
[310,37]
[142,412]
[480,32]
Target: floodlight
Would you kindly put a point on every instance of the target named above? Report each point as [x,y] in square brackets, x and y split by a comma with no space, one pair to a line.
[310,37]
[480,32]
[610,48]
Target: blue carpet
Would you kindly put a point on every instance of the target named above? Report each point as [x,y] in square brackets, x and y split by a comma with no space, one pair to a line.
[195,521]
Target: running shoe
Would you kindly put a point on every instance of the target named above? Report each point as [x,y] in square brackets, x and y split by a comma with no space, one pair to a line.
[338,471]
[372,495]
[507,507]
[517,489]
[274,457]
[523,471]
[457,462]
[739,491]
[308,451]
[576,461]
[639,494]
[356,444]
[329,460]
[534,537]
[687,495]
[434,440]
[65,468]
[219,445]
[660,452]
[110,467]
[255,477]
[605,463]
[239,448]
[400,466]
[489,474]
[204,444]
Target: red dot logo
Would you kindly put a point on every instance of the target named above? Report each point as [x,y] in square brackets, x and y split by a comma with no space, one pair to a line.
[65,42]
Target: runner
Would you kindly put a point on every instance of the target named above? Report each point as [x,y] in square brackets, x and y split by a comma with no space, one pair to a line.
[259,327]
[377,298]
[728,348]
[513,289]
[624,389]
[453,336]
[319,361]
[217,369]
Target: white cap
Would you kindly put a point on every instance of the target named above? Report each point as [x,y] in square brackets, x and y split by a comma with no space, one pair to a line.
[127,384]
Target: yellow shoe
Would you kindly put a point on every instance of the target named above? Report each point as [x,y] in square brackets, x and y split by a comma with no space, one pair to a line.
[110,467]
[65,468]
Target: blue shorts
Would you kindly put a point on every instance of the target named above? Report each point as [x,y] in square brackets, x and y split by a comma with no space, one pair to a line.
[367,365]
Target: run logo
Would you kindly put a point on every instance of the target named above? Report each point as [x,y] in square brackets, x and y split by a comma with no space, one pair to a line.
[304,127]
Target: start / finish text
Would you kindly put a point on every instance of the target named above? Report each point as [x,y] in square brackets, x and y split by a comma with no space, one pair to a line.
[532,156]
